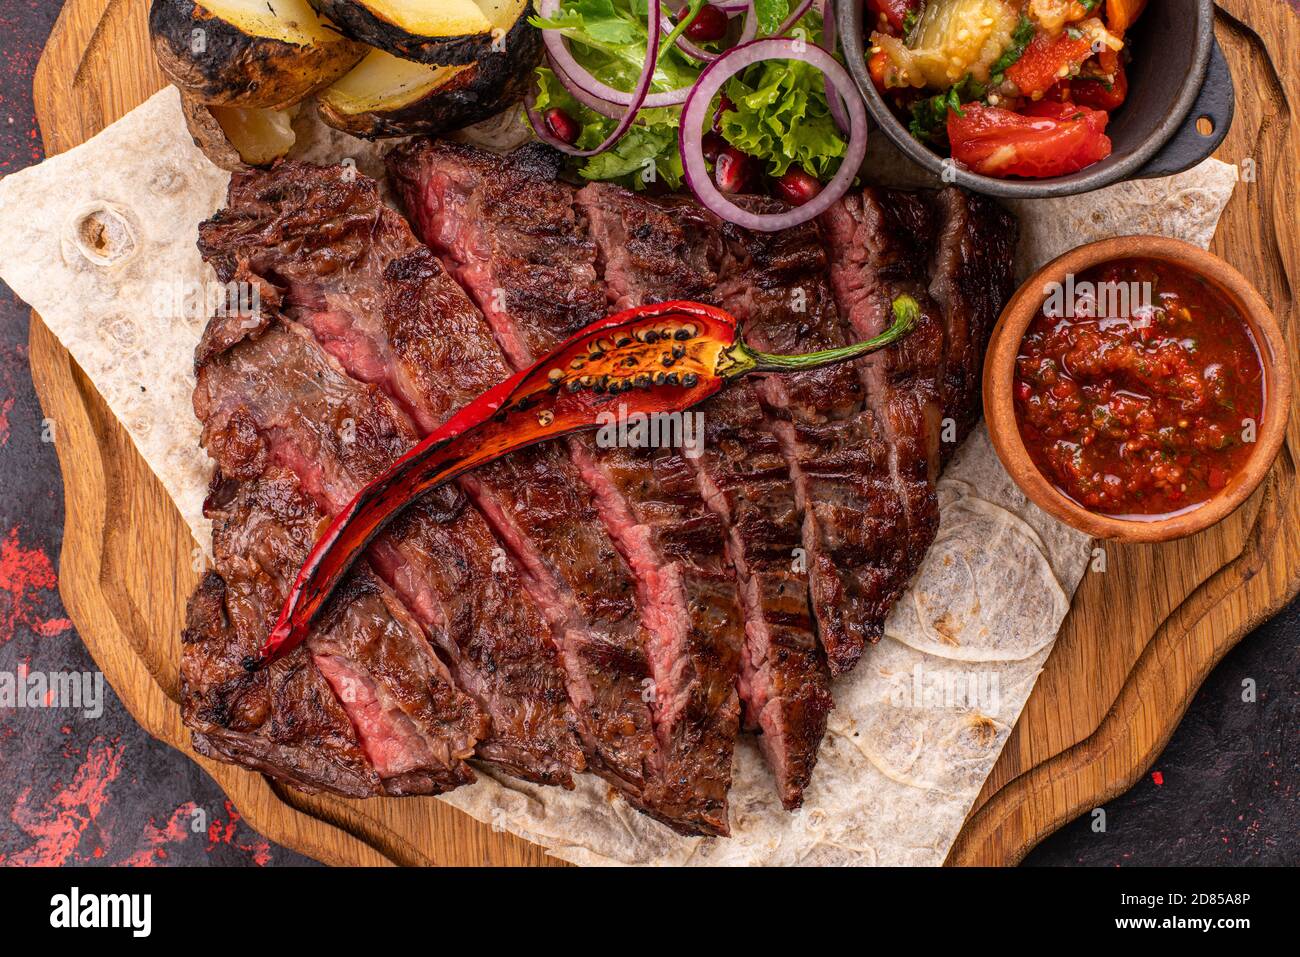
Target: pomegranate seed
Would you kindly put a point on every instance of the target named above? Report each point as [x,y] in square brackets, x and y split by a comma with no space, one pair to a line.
[709,24]
[724,105]
[731,170]
[713,145]
[562,126]
[797,187]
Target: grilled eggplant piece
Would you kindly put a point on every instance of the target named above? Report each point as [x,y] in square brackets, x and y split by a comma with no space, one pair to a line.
[438,32]
[237,138]
[264,54]
[387,96]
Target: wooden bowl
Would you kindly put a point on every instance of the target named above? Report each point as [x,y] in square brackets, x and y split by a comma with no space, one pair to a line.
[999,373]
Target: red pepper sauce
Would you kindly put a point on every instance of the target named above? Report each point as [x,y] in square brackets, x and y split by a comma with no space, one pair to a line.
[1140,397]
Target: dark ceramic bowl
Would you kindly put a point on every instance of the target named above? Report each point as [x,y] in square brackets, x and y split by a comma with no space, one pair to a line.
[1178,79]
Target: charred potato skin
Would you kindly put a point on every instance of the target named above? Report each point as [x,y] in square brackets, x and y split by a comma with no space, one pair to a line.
[235,69]
[493,83]
[360,24]
[208,136]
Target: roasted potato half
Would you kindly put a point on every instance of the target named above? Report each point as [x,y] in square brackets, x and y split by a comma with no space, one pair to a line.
[237,138]
[265,54]
[387,96]
[439,32]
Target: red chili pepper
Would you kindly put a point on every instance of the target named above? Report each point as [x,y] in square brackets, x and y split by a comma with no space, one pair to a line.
[661,358]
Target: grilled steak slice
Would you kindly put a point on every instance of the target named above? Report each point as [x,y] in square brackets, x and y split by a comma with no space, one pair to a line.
[777,284]
[283,720]
[512,236]
[387,311]
[366,683]
[874,259]
[671,248]
[971,279]
[337,434]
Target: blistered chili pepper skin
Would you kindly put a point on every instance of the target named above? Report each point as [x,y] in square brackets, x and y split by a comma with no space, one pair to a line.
[661,358]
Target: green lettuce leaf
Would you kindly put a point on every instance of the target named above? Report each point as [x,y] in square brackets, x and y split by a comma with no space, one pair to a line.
[778,113]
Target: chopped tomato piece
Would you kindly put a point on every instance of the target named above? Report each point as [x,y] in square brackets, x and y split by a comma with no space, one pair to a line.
[1122,14]
[1099,96]
[876,66]
[1052,140]
[890,14]
[1040,66]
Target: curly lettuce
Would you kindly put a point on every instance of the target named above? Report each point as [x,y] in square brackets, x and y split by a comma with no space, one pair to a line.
[778,108]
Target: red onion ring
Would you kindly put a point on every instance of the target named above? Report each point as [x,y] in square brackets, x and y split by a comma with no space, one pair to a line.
[829,44]
[603,107]
[558,48]
[747,32]
[710,83]
[638,95]
[795,16]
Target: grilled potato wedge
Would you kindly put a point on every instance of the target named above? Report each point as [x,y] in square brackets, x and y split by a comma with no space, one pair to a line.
[438,32]
[264,54]
[388,96]
[237,138]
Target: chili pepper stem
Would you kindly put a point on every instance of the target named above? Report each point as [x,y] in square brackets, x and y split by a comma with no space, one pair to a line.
[740,360]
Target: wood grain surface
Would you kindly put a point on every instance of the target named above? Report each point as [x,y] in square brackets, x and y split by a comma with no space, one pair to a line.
[1138,642]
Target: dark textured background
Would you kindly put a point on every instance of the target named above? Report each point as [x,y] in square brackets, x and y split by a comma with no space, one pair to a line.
[77,791]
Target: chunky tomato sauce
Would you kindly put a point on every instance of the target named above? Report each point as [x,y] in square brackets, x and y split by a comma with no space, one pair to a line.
[1139,389]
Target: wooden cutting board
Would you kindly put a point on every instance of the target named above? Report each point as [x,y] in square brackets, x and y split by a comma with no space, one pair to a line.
[1141,636]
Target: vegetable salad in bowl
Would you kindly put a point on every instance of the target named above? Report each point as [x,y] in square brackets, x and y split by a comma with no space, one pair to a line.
[1009,88]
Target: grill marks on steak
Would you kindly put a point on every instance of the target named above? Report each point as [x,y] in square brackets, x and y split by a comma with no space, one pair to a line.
[671,248]
[279,397]
[777,284]
[512,235]
[364,342]
[971,279]
[394,318]
[362,708]
[539,506]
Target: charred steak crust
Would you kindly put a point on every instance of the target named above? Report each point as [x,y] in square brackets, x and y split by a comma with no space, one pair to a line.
[339,714]
[335,435]
[517,240]
[971,277]
[393,318]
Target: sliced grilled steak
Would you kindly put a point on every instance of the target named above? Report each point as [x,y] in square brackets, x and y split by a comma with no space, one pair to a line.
[512,236]
[874,259]
[281,395]
[671,248]
[388,312]
[367,709]
[971,279]
[335,435]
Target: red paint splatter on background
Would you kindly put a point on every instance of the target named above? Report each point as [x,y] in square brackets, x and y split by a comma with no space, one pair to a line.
[24,574]
[218,834]
[1158,777]
[179,828]
[59,825]
[155,838]
[5,408]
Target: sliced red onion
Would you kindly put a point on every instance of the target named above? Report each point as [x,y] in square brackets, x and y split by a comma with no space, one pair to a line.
[829,42]
[603,107]
[558,48]
[795,16]
[710,83]
[748,31]
[638,95]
